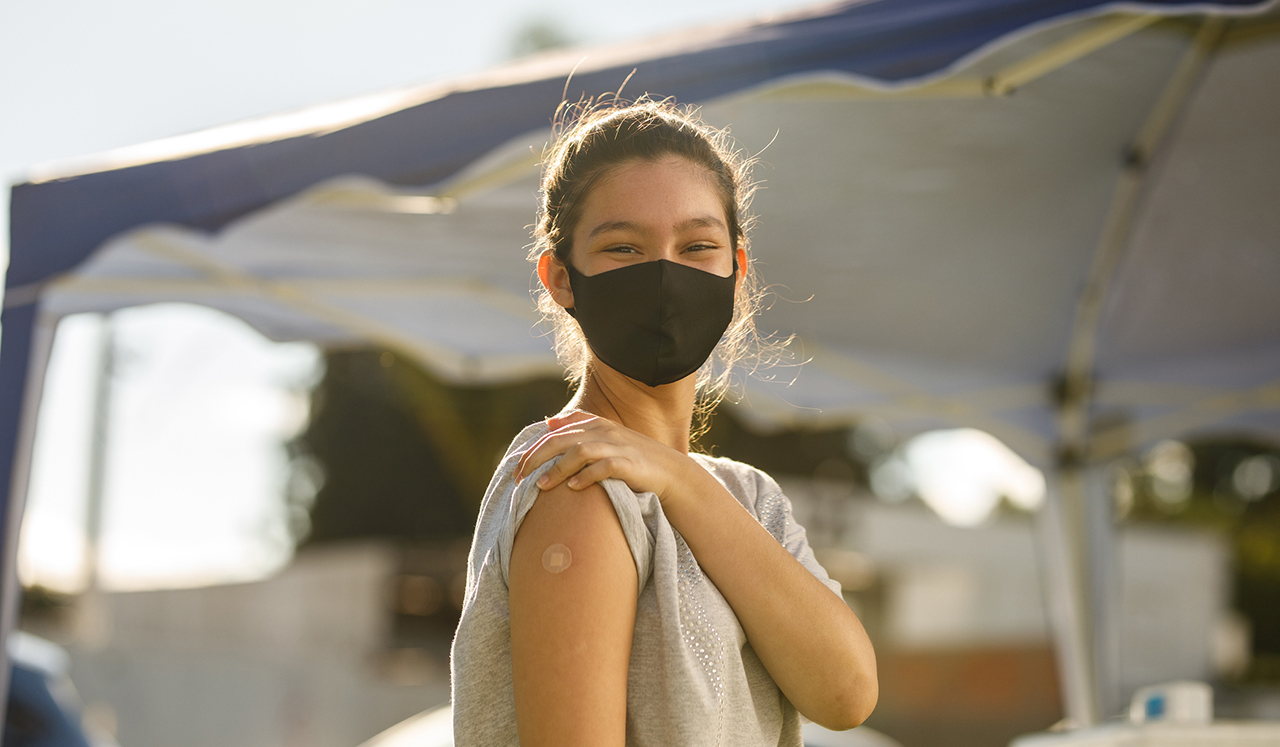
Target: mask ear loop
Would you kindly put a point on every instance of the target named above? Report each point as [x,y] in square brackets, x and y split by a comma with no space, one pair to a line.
[572,271]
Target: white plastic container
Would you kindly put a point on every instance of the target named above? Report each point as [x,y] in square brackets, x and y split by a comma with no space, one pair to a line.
[1180,702]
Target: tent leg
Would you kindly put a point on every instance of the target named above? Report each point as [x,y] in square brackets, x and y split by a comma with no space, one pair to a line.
[27,342]
[1065,602]
[1104,566]
[1079,567]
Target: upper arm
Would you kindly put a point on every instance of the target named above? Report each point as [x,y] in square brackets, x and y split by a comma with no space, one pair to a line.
[571,631]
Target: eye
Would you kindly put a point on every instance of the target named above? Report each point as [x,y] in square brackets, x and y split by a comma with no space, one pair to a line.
[702,248]
[622,249]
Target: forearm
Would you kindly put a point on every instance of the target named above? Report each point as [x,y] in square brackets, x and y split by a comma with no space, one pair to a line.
[807,637]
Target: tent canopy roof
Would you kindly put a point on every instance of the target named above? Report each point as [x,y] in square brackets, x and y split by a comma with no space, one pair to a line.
[943,233]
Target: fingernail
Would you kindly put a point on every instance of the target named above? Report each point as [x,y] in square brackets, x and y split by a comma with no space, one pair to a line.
[542,481]
[573,482]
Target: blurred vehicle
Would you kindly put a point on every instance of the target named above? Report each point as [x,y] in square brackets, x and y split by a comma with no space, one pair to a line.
[43,709]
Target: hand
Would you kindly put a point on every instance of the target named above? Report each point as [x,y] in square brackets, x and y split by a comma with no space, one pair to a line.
[593,449]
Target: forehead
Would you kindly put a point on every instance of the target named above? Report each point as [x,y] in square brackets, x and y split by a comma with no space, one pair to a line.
[671,184]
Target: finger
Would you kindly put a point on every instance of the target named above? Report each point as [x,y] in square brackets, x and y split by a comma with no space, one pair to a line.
[573,461]
[569,418]
[556,423]
[546,448]
[597,471]
[522,468]
[536,454]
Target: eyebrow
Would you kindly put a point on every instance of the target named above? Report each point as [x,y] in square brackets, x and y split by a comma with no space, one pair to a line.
[705,221]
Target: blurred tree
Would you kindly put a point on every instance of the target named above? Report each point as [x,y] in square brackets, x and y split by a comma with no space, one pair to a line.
[538,35]
[391,451]
[821,453]
[1233,486]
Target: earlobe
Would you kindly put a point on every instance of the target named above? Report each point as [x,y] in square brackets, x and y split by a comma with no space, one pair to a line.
[555,278]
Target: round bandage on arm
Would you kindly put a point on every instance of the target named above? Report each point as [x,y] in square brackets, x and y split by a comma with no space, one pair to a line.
[556,558]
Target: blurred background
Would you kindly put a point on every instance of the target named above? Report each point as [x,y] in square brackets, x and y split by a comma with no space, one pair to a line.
[238,540]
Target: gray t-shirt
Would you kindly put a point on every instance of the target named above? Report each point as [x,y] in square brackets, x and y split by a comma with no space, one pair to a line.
[693,678]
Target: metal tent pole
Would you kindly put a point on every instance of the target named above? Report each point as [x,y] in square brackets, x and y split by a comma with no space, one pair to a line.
[1078,539]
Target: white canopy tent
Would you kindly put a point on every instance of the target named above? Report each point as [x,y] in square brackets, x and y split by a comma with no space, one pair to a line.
[1068,238]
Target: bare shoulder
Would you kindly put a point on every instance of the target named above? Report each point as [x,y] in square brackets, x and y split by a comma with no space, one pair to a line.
[582,520]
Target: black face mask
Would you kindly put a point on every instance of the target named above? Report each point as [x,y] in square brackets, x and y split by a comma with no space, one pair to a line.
[656,322]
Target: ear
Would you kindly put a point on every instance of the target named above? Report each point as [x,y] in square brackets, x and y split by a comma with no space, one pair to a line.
[742,266]
[555,278]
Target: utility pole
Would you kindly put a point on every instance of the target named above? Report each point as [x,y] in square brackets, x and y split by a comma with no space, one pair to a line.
[93,622]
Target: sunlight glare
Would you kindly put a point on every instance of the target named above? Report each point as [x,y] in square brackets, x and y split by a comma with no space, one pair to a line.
[201,407]
[963,473]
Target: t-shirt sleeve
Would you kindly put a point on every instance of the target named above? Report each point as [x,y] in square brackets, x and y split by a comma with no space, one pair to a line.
[774,511]
[625,503]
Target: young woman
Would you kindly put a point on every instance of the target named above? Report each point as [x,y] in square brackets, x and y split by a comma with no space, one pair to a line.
[622,590]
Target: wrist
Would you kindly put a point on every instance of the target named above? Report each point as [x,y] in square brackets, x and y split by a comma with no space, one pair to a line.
[688,483]
[678,474]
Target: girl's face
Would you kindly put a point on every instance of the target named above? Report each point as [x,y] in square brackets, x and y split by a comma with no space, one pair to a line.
[643,211]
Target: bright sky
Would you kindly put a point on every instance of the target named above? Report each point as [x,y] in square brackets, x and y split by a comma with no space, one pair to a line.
[195,466]
[963,473]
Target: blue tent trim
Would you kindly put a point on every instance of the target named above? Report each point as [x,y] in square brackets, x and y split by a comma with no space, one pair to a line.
[18,324]
[55,225]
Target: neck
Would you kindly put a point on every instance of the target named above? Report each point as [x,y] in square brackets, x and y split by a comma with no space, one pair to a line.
[663,413]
